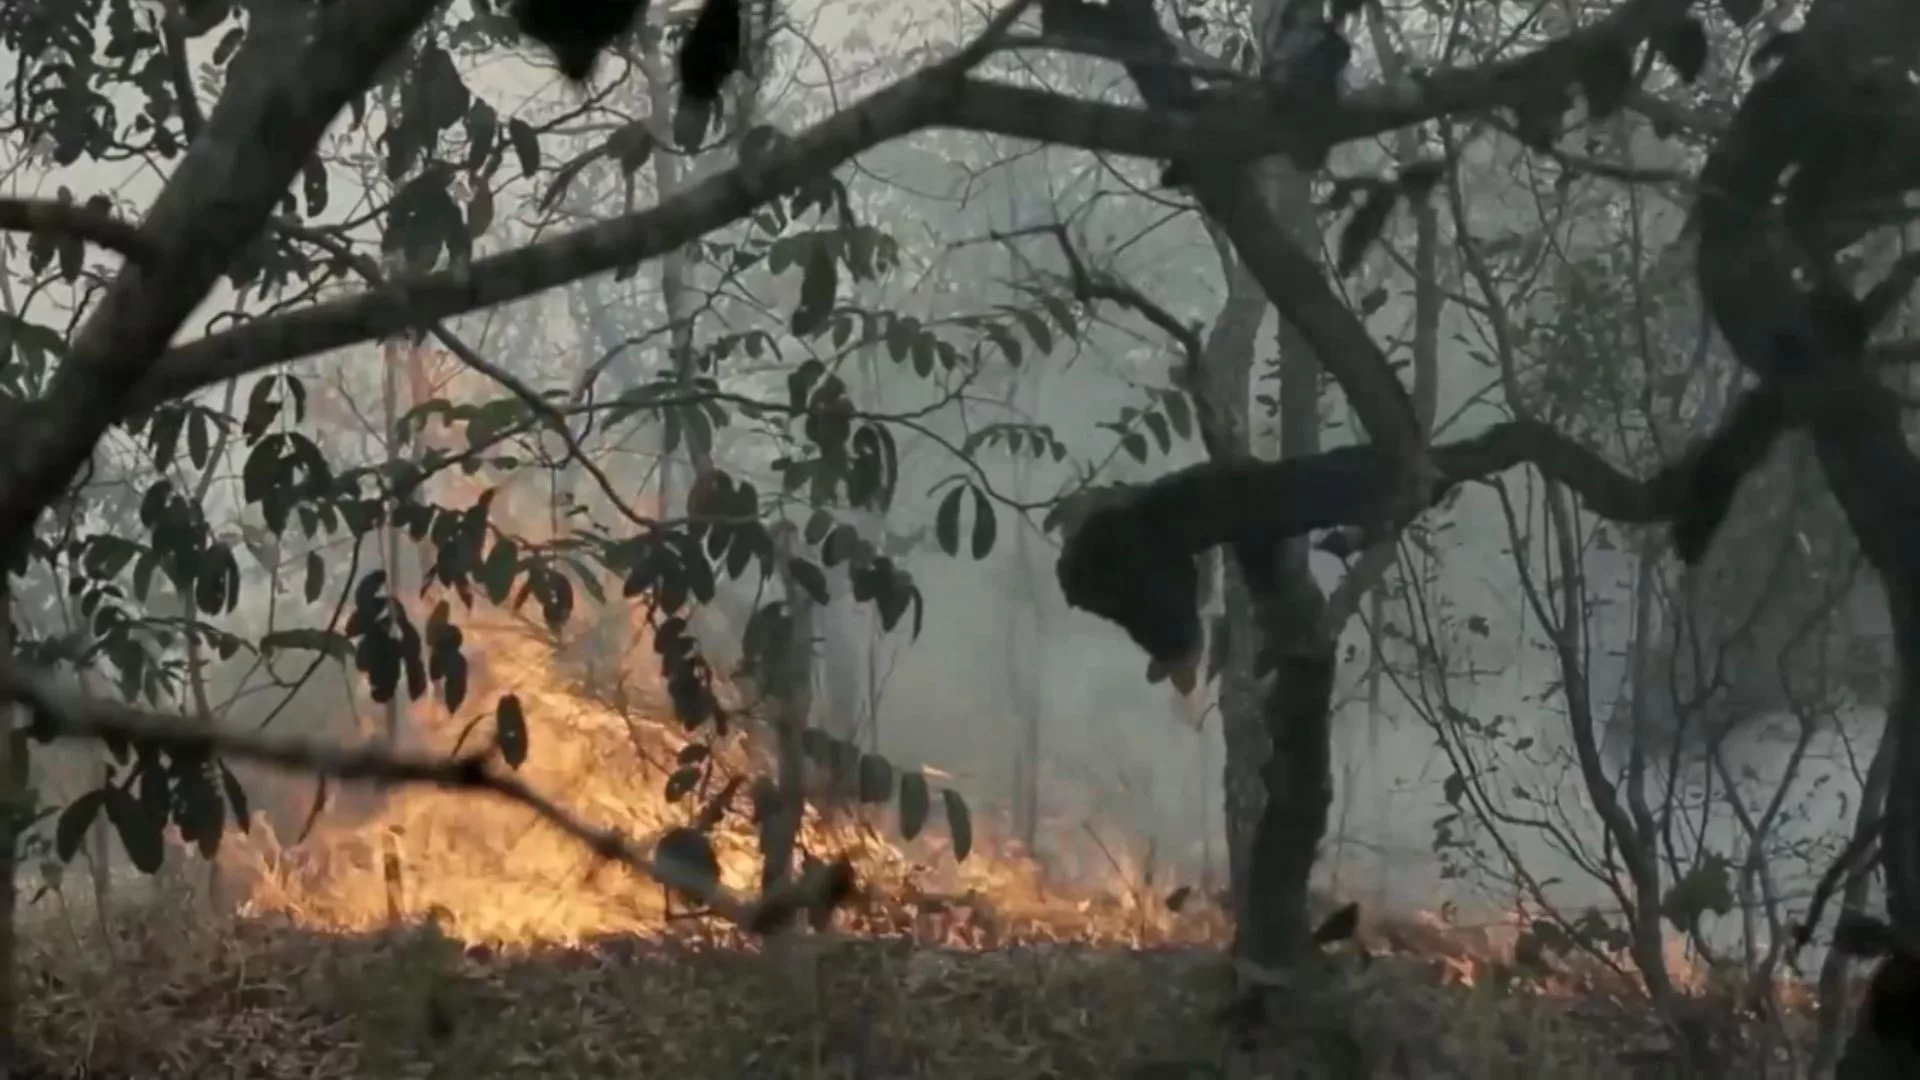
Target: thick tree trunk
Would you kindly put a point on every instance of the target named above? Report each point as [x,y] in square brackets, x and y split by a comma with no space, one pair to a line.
[1828,1037]
[1295,778]
[1287,765]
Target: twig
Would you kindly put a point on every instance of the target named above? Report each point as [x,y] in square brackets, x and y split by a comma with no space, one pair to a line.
[53,217]
[472,359]
[1840,869]
[70,715]
[990,38]
[1190,377]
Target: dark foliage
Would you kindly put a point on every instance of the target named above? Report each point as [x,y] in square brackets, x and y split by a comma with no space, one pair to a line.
[711,50]
[1131,560]
[691,848]
[577,31]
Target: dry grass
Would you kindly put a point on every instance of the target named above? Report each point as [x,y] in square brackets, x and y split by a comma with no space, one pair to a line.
[185,994]
[317,988]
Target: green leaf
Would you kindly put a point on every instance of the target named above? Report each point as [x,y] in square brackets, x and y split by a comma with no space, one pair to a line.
[198,809]
[498,571]
[631,145]
[510,731]
[139,828]
[876,778]
[237,796]
[1363,229]
[199,440]
[1179,414]
[1162,435]
[818,526]
[1037,329]
[681,782]
[810,578]
[946,521]
[71,830]
[915,801]
[316,576]
[959,824]
[1708,887]
[818,746]
[819,286]
[480,211]
[984,526]
[844,769]
[263,407]
[163,435]
[526,146]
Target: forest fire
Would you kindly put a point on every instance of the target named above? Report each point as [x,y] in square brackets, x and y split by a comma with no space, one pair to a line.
[492,872]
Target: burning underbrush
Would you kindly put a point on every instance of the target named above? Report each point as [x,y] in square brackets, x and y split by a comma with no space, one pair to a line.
[494,874]
[429,933]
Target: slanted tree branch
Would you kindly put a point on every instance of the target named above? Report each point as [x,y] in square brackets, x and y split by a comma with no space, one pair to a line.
[939,97]
[64,714]
[64,219]
[1131,561]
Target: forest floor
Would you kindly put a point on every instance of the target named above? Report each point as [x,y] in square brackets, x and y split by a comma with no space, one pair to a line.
[192,996]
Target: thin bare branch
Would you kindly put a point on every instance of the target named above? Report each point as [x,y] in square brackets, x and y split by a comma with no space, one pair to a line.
[72,715]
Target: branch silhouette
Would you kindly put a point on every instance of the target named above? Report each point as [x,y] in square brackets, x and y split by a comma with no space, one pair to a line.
[64,714]
[65,219]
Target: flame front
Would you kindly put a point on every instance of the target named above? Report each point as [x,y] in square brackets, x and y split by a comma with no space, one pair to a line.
[491,871]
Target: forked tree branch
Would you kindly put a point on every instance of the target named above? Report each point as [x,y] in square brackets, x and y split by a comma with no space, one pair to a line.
[71,715]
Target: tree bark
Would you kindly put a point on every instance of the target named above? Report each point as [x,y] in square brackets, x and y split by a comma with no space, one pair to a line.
[13,766]
[791,688]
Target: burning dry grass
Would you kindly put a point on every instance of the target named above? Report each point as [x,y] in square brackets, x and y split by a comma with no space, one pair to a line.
[512,955]
[497,875]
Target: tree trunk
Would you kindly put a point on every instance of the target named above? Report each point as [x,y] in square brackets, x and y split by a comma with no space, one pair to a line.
[791,687]
[398,359]
[1279,784]
[844,635]
[1296,778]
[1296,771]
[1853,899]
[13,767]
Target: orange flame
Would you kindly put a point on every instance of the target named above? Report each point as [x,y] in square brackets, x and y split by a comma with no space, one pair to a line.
[493,872]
